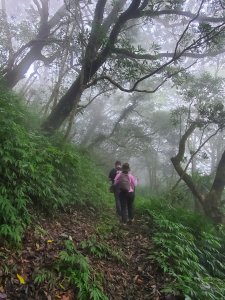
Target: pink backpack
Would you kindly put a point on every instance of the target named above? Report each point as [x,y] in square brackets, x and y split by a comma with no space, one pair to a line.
[124,182]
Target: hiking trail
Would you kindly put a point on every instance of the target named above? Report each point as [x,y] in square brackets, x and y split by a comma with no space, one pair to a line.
[129,274]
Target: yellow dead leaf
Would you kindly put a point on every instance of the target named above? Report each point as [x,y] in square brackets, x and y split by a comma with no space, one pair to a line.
[21,279]
[50,241]
[61,286]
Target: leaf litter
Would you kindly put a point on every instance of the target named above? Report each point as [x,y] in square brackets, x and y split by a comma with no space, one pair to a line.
[133,277]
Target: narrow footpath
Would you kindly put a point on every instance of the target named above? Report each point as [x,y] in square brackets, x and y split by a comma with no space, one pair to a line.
[119,254]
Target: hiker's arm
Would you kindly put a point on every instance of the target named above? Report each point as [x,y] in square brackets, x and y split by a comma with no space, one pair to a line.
[116,179]
[133,180]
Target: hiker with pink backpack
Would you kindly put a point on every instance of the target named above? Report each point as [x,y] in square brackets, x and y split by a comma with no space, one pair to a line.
[126,183]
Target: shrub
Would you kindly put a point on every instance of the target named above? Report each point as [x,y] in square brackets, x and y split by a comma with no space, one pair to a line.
[190,250]
[74,266]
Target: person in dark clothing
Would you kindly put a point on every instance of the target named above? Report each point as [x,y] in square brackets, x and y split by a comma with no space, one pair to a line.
[126,193]
[112,175]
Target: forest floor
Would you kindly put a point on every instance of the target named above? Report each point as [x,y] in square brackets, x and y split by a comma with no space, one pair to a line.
[128,275]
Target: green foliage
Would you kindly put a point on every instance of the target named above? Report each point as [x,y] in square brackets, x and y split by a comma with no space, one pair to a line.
[40,232]
[44,276]
[204,94]
[216,41]
[73,265]
[72,268]
[203,182]
[38,171]
[173,4]
[180,197]
[101,249]
[190,250]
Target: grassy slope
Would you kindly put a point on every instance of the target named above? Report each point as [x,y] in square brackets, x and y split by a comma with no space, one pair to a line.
[188,248]
[36,172]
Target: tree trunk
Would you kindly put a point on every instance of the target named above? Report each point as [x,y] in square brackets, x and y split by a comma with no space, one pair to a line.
[92,62]
[176,161]
[213,158]
[64,107]
[53,98]
[198,208]
[13,76]
[187,179]
[192,149]
[70,124]
[15,73]
[213,198]
[211,202]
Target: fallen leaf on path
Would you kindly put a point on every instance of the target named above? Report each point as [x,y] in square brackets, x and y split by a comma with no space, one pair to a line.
[21,279]
[50,241]
[138,280]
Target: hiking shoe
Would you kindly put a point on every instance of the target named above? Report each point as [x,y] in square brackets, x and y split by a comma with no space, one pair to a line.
[123,224]
[130,222]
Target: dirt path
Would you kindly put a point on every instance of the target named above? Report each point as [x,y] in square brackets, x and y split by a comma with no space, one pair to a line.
[127,271]
[137,278]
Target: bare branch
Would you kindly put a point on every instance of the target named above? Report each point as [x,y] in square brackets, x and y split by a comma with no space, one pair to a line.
[193,155]
[99,11]
[112,16]
[144,4]
[188,14]
[61,12]
[123,18]
[37,5]
[81,107]
[146,56]
[187,27]
[125,112]
[130,54]
[198,42]
[133,89]
[221,4]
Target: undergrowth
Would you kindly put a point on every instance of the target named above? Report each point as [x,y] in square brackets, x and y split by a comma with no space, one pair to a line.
[37,171]
[74,266]
[188,249]
[101,249]
[72,269]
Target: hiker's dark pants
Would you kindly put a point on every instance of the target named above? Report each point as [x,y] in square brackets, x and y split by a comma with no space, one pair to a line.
[117,201]
[126,202]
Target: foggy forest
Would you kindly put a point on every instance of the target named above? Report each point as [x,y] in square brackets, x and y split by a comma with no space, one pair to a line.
[112,154]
